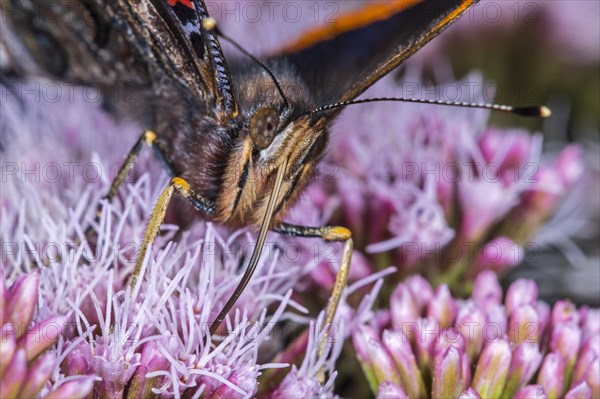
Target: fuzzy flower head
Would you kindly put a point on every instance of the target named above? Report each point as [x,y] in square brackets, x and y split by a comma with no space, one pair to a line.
[481,348]
[150,339]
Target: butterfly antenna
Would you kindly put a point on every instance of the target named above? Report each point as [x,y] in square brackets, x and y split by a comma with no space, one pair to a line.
[533,112]
[211,25]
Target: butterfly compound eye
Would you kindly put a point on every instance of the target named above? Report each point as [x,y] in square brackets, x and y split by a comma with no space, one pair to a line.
[263,127]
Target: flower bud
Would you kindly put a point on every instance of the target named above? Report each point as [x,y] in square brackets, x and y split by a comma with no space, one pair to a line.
[448,380]
[74,389]
[449,336]
[38,375]
[566,340]
[496,325]
[570,165]
[521,292]
[7,351]
[471,323]
[151,360]
[551,375]
[492,369]
[589,353]
[498,255]
[78,361]
[591,324]
[510,149]
[374,358]
[403,308]
[539,202]
[482,203]
[399,347]
[442,307]
[14,377]
[22,298]
[579,391]
[524,325]
[592,377]
[420,289]
[526,359]
[543,311]
[381,320]
[427,335]
[42,336]
[564,312]
[486,290]
[246,381]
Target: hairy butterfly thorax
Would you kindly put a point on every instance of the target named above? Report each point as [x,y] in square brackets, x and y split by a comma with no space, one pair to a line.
[234,164]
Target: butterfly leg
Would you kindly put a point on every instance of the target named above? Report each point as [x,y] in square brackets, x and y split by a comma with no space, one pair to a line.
[181,187]
[332,234]
[148,138]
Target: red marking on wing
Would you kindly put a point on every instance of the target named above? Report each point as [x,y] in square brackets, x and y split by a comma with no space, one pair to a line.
[187,3]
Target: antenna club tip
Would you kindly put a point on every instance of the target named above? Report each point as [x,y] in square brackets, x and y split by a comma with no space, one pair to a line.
[533,112]
[209,23]
[545,112]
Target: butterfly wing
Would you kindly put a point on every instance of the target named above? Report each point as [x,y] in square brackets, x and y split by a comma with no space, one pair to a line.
[340,60]
[68,41]
[148,43]
[201,47]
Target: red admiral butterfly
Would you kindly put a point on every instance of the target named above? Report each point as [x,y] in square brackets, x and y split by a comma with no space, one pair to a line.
[240,138]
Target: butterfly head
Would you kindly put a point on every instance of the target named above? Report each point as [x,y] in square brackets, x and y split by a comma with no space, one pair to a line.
[273,132]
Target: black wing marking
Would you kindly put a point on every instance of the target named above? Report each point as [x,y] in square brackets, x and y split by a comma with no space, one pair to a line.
[184,19]
[154,44]
[341,60]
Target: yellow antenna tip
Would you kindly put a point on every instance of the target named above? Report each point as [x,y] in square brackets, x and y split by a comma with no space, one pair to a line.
[209,23]
[545,112]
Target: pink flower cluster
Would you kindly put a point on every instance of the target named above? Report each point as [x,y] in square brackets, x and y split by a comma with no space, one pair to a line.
[432,345]
[432,189]
[28,359]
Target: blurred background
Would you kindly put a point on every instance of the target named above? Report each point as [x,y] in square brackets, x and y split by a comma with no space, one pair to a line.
[542,52]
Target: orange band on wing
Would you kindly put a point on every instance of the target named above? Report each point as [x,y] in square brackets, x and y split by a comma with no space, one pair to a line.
[456,13]
[354,19]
